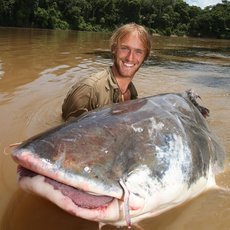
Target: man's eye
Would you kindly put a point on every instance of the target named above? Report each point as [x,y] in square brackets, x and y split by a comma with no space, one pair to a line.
[141,52]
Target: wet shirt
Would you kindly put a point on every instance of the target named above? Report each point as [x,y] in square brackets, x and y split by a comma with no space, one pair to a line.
[98,90]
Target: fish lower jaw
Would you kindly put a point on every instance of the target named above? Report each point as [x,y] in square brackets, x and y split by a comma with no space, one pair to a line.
[109,213]
[103,209]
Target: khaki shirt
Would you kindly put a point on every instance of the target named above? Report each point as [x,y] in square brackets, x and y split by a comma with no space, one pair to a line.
[98,90]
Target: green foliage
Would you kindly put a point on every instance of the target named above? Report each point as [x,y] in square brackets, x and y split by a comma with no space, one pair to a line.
[167,17]
[214,22]
[49,17]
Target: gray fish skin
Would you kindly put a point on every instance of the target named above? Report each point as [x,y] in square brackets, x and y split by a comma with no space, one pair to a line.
[160,147]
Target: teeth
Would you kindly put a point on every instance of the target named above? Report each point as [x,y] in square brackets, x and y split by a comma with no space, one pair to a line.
[128,65]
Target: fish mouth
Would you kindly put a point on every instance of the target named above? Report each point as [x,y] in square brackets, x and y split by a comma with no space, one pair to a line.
[79,197]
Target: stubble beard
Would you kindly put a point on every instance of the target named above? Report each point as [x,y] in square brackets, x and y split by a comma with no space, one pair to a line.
[122,73]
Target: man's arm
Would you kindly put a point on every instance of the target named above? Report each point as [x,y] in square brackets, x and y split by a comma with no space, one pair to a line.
[78,101]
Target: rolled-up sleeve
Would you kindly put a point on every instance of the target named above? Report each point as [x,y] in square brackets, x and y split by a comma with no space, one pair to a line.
[80,99]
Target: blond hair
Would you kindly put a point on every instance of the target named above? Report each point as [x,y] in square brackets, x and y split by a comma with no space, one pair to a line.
[122,31]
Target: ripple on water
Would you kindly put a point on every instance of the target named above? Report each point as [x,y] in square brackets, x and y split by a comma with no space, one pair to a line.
[1,70]
[45,116]
[40,101]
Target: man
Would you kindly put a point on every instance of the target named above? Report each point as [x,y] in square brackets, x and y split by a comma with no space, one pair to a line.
[130,46]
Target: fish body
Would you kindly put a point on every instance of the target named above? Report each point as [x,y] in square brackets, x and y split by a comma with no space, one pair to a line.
[123,163]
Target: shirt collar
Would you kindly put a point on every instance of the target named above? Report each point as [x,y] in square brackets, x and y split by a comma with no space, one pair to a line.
[111,80]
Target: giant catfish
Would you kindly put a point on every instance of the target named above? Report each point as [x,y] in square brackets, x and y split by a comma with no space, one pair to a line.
[126,162]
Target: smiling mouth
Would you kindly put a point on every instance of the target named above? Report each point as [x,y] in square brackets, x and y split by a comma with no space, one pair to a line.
[128,65]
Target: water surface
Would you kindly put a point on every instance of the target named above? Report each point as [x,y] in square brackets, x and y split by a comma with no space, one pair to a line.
[38,67]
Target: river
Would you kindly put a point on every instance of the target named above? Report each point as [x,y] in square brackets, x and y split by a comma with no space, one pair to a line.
[38,67]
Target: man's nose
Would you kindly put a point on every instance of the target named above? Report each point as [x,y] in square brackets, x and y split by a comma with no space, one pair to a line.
[130,56]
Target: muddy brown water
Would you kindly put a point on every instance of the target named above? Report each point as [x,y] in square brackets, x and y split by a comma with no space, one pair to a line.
[37,68]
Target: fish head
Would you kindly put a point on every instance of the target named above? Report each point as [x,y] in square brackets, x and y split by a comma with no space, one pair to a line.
[123,163]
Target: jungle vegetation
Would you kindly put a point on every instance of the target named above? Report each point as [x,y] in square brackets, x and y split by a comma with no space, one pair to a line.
[164,17]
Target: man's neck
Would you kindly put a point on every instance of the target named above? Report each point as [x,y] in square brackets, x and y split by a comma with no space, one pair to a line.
[122,81]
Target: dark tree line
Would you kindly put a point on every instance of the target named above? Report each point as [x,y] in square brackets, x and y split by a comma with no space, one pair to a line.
[165,17]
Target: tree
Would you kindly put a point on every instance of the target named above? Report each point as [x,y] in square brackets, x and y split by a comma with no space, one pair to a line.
[161,16]
[6,12]
[49,17]
[129,11]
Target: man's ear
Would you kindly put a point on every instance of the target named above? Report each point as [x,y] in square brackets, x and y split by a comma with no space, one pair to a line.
[113,51]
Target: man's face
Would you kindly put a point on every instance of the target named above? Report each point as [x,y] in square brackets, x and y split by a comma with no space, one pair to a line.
[128,56]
